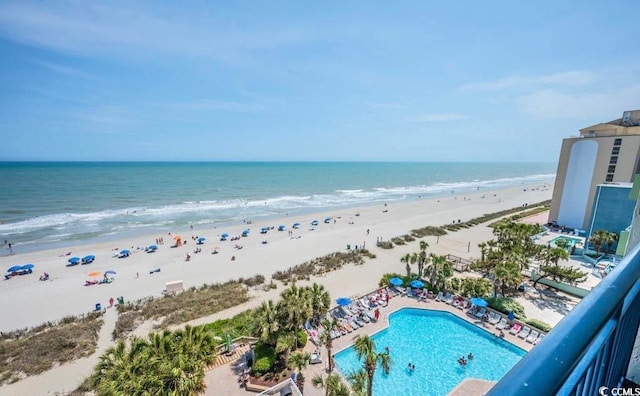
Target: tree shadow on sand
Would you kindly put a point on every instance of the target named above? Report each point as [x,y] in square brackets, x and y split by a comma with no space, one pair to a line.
[547,298]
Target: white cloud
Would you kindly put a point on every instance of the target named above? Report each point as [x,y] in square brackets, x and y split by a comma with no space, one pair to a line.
[437,117]
[555,104]
[569,78]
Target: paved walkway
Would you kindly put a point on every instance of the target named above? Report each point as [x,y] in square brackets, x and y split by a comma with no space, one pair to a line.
[67,377]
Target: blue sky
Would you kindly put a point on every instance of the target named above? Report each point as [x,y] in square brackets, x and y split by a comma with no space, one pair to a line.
[276,80]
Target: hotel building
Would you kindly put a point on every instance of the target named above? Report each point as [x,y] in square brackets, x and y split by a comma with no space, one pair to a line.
[603,153]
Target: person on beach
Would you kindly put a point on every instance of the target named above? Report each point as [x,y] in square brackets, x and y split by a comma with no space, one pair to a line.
[111,302]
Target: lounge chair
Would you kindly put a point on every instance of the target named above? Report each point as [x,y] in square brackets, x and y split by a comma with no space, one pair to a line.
[315,357]
[365,303]
[533,336]
[495,319]
[524,333]
[501,325]
[540,338]
[446,297]
[424,296]
[410,292]
[481,313]
[440,296]
[515,329]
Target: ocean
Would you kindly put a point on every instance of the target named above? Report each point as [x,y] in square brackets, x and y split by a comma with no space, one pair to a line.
[54,204]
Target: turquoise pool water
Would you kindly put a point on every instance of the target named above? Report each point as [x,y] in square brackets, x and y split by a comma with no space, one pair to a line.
[433,341]
[572,241]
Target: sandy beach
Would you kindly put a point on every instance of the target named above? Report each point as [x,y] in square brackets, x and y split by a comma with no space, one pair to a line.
[29,301]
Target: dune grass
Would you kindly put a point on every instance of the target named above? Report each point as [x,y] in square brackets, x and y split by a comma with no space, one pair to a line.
[321,265]
[32,351]
[191,304]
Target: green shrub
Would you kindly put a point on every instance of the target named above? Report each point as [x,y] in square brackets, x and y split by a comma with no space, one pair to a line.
[506,305]
[539,324]
[301,335]
[265,359]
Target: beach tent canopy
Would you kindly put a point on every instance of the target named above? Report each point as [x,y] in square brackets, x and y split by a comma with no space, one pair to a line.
[327,220]
[245,233]
[152,247]
[224,236]
[74,260]
[264,230]
[27,267]
[315,222]
[109,272]
[201,239]
[296,225]
[281,227]
[124,251]
[88,259]
[14,268]
[94,273]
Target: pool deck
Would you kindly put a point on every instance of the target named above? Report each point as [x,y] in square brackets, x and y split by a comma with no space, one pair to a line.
[224,379]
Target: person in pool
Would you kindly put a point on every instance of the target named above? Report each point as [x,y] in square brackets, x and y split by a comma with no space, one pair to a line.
[470,356]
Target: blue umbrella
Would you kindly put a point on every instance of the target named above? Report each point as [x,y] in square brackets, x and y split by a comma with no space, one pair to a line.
[264,230]
[27,266]
[110,272]
[153,247]
[327,220]
[511,316]
[479,302]
[201,239]
[281,227]
[15,268]
[342,301]
[225,235]
[417,284]
[296,225]
[124,252]
[396,281]
[74,260]
[315,222]
[245,233]
[87,259]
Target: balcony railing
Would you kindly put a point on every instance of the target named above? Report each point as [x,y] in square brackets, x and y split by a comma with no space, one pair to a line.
[590,348]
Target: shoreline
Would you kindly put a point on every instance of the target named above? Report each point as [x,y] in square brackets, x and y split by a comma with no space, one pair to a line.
[65,294]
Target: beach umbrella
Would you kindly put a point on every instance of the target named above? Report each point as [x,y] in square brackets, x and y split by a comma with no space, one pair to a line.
[417,284]
[74,260]
[396,281]
[479,302]
[15,268]
[93,273]
[511,316]
[342,301]
[152,248]
[314,222]
[281,227]
[327,220]
[264,230]
[225,235]
[245,233]
[88,259]
[201,239]
[177,237]
[125,251]
[109,272]
[296,225]
[27,266]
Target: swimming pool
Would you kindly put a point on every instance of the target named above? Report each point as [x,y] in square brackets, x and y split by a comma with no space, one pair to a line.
[572,241]
[433,341]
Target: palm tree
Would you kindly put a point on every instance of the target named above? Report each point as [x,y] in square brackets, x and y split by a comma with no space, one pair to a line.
[320,300]
[123,370]
[422,257]
[598,238]
[286,343]
[332,385]
[267,322]
[358,381]
[483,250]
[507,274]
[365,349]
[609,240]
[299,360]
[439,271]
[406,259]
[294,307]
[326,338]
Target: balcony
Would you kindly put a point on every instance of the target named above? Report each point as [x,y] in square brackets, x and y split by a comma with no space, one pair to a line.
[591,348]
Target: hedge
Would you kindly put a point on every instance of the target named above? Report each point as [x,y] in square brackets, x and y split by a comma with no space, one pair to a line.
[265,356]
[301,335]
[539,324]
[506,305]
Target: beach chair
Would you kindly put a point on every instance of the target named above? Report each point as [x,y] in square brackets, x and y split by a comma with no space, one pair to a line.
[533,336]
[524,333]
[540,338]
[364,303]
[515,329]
[502,324]
[439,296]
[481,313]
[494,317]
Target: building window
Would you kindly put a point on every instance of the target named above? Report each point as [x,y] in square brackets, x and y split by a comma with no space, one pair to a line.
[615,150]
[613,160]
[612,169]
[617,142]
[609,178]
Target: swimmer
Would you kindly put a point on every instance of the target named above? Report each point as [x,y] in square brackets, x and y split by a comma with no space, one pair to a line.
[470,356]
